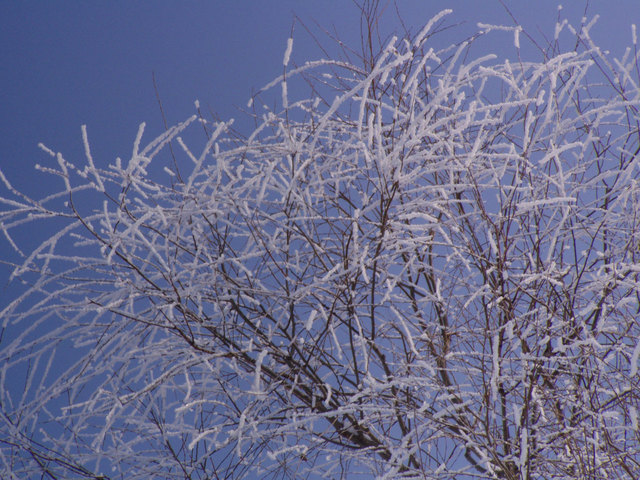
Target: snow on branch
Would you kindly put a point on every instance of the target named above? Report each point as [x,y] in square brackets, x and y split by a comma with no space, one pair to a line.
[427,268]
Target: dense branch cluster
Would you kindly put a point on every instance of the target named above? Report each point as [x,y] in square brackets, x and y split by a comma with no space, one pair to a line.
[429,268]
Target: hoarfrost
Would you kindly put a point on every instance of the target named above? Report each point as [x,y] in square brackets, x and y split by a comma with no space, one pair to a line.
[426,269]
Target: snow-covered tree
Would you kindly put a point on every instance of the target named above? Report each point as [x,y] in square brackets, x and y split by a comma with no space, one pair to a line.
[428,267]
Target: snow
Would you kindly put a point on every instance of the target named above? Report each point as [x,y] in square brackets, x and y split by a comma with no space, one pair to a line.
[635,358]
[309,325]
[395,262]
[516,37]
[287,52]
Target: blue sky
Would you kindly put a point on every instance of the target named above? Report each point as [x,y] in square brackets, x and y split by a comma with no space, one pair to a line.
[68,63]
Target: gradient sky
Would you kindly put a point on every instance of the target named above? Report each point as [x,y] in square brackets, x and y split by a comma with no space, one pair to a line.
[67,63]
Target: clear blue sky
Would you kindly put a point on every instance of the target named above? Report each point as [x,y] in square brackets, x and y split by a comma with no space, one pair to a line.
[66,63]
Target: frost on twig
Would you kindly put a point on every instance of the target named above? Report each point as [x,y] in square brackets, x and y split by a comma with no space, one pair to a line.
[430,272]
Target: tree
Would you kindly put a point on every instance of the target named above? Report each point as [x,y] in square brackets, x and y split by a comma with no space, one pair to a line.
[426,268]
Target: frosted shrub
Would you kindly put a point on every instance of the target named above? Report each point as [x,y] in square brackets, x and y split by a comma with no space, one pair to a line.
[429,268]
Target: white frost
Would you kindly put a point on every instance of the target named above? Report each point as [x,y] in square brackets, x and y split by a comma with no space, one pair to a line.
[287,52]
[309,325]
[516,37]
[634,360]
[257,383]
